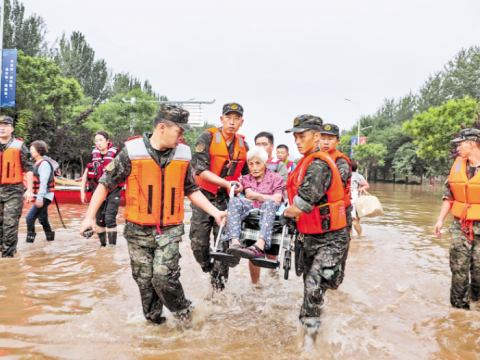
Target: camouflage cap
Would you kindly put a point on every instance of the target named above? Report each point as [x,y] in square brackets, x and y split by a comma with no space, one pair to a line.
[468,134]
[330,129]
[232,107]
[178,115]
[6,120]
[306,122]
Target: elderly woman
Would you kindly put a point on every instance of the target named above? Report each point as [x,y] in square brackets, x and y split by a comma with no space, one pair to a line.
[263,190]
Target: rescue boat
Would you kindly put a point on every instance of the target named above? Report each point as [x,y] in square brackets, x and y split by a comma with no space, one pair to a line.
[68,191]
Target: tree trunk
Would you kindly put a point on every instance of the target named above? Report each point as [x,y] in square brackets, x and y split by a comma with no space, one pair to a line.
[406,179]
[376,171]
[393,177]
[384,175]
[366,173]
[421,176]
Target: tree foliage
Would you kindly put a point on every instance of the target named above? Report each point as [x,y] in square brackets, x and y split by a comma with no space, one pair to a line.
[76,59]
[370,155]
[432,130]
[26,34]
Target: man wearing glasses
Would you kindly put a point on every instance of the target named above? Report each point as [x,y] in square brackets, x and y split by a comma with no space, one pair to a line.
[15,162]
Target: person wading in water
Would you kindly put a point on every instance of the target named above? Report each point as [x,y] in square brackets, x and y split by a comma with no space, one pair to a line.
[462,197]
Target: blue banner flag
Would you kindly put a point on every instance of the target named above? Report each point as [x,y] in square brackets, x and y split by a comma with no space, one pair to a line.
[9,78]
[353,142]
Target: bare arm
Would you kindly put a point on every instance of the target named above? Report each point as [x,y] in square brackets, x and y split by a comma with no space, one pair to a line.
[98,198]
[292,212]
[252,195]
[364,185]
[83,198]
[446,206]
[28,196]
[202,202]
[217,180]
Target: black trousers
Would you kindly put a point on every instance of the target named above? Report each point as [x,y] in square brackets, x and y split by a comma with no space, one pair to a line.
[107,213]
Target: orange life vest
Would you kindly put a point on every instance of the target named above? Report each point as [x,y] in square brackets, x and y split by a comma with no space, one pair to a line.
[36,176]
[11,164]
[219,156]
[312,223]
[154,195]
[335,155]
[466,194]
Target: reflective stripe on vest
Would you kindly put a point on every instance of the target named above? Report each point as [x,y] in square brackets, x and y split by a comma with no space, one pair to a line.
[155,196]
[11,166]
[312,223]
[466,193]
[335,155]
[220,157]
[36,177]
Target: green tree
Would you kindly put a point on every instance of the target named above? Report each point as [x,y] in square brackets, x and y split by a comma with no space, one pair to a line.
[26,34]
[459,77]
[370,155]
[407,162]
[432,130]
[76,59]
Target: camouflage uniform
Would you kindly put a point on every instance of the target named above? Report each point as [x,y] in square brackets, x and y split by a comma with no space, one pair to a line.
[323,253]
[201,222]
[11,205]
[346,173]
[154,259]
[464,257]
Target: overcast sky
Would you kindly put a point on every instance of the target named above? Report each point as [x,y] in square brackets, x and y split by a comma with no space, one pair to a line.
[277,58]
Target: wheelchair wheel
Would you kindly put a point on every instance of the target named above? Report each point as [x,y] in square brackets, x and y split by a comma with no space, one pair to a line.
[287,264]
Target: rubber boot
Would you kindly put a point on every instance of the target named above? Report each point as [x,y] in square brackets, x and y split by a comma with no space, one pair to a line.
[112,237]
[31,236]
[50,235]
[103,238]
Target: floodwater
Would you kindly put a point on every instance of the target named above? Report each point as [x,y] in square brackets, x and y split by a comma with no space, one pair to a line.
[71,299]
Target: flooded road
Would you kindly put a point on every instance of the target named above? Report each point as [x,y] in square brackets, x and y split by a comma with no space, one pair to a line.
[71,299]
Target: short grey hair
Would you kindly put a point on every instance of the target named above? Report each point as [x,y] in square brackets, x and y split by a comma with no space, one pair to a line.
[259,153]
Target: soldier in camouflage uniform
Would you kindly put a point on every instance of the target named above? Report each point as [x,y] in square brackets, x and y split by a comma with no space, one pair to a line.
[154,252]
[465,234]
[323,253]
[201,222]
[330,137]
[12,196]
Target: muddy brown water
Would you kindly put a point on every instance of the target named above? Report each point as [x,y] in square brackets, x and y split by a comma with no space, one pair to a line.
[70,299]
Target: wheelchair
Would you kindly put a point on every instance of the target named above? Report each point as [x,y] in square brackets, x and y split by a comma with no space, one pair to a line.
[283,238]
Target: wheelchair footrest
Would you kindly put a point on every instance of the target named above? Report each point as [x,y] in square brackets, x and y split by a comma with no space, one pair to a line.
[225,258]
[265,263]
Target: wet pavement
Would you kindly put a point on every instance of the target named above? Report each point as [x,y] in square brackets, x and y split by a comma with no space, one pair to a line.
[71,299]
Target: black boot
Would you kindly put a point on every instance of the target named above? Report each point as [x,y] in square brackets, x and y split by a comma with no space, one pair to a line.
[112,237]
[31,236]
[103,238]
[50,235]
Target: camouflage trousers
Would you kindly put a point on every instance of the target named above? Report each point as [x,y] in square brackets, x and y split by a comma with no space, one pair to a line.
[465,266]
[10,213]
[324,257]
[201,227]
[155,268]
